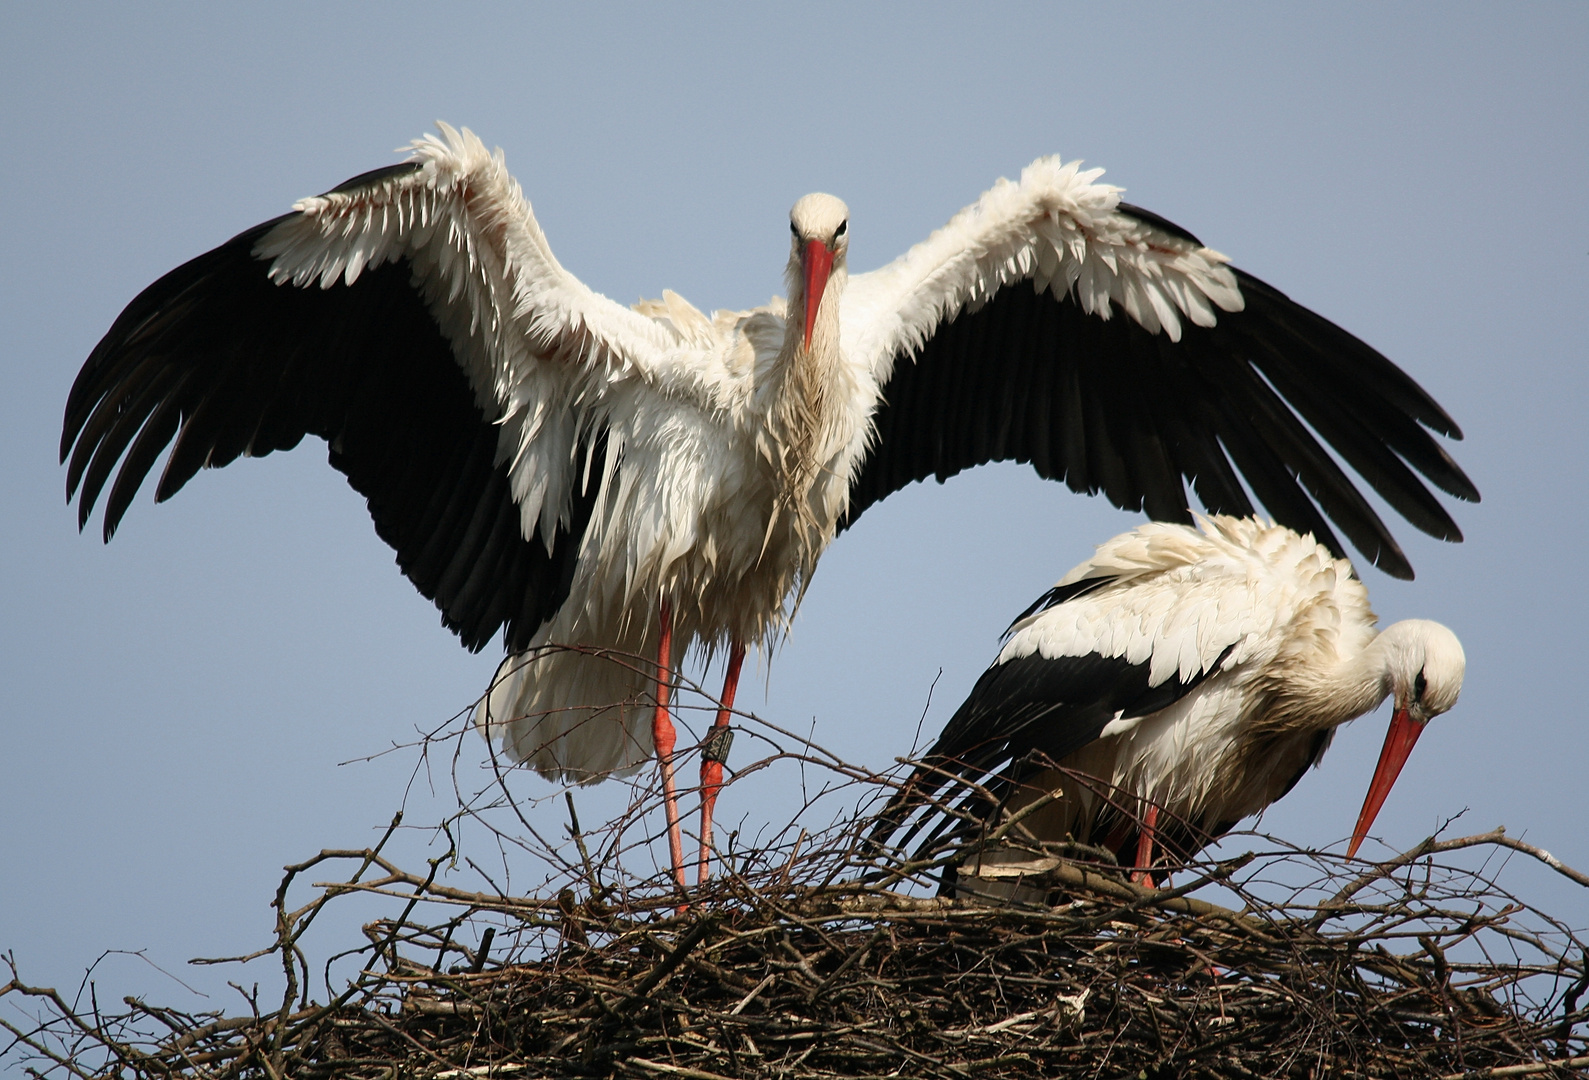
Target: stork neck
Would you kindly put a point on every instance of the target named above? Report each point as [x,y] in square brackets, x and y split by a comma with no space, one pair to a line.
[1361,681]
[803,394]
[824,345]
[806,402]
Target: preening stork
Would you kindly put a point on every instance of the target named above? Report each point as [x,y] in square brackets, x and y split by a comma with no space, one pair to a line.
[1194,675]
[650,480]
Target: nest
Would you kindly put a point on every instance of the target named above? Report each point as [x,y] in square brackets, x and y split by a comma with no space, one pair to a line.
[816,954]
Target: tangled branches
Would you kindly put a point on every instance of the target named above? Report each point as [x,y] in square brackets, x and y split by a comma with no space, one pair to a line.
[814,954]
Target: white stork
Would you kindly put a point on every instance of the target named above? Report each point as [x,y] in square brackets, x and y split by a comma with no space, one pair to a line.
[1198,673]
[644,481]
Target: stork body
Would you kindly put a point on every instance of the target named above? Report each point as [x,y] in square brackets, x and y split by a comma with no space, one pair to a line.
[568,471]
[1194,675]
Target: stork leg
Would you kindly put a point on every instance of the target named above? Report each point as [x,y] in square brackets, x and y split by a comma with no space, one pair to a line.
[714,752]
[1150,819]
[665,738]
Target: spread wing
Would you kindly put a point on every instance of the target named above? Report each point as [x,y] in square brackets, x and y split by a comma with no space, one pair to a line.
[1051,323]
[414,318]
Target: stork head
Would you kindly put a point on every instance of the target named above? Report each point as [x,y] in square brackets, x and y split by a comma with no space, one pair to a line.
[820,225]
[1424,665]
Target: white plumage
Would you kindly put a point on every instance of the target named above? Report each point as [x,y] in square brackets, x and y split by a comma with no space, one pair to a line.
[1199,672]
[553,465]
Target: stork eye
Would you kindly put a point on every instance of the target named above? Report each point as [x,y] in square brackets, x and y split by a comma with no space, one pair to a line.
[1419,685]
[794,230]
[843,225]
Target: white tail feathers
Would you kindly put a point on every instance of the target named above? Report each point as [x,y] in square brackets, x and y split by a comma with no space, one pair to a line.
[539,711]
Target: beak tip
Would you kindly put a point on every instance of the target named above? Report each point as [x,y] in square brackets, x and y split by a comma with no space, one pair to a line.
[1399,740]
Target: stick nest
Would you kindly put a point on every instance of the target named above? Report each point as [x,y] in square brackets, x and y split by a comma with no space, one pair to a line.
[814,954]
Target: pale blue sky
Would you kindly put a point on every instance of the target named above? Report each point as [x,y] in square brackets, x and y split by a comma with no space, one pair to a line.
[177,703]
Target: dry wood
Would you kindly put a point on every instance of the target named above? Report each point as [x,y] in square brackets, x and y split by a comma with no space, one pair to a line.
[818,955]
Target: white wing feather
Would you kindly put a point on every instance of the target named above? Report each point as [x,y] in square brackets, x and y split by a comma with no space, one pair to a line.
[1056,228]
[549,359]
[1183,596]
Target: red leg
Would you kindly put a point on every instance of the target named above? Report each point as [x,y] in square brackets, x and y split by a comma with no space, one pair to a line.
[665,738]
[714,751]
[1150,818]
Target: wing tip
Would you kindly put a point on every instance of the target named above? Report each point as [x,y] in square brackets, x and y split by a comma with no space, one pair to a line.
[1391,561]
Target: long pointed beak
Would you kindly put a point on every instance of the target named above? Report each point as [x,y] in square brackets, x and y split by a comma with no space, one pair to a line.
[817,261]
[1399,741]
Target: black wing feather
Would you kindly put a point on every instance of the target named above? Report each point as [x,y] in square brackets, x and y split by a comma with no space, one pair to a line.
[1059,594]
[1163,224]
[217,361]
[1027,712]
[1050,706]
[1104,405]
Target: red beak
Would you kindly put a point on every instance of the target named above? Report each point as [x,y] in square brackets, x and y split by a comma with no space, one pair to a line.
[1399,740]
[818,263]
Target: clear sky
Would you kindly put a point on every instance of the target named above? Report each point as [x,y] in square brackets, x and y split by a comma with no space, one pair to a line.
[177,704]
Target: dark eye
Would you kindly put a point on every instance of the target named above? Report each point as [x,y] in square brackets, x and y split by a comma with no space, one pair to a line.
[794,231]
[840,230]
[1419,685]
